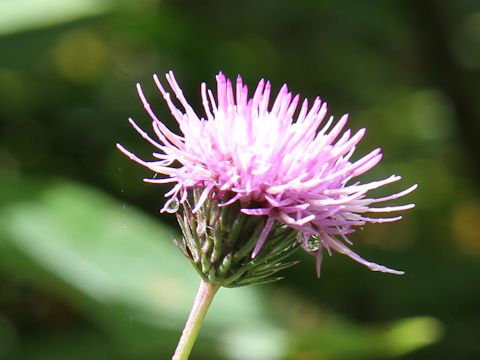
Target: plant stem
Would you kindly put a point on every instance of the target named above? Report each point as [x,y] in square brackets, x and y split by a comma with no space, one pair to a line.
[204,298]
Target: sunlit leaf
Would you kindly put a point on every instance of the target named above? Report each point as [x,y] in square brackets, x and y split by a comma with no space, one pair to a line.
[19,15]
[117,265]
[340,339]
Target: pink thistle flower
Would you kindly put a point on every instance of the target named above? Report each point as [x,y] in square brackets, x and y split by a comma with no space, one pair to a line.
[283,161]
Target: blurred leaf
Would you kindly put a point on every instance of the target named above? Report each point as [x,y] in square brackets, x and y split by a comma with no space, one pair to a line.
[339,339]
[118,266]
[407,335]
[20,15]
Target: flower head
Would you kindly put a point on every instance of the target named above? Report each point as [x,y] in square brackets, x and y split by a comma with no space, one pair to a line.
[285,162]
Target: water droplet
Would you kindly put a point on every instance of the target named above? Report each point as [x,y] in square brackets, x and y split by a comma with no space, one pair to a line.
[172,205]
[313,243]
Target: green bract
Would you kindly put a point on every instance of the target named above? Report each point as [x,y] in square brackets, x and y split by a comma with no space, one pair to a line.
[219,242]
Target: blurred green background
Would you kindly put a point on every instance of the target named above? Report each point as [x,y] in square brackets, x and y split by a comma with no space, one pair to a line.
[87,266]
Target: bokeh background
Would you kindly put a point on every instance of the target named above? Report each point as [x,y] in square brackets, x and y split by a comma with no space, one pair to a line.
[87,266]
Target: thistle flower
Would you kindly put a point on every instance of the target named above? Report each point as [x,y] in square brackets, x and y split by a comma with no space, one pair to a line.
[255,181]
[285,163]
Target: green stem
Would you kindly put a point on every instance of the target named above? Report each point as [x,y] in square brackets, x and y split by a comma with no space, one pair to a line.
[204,298]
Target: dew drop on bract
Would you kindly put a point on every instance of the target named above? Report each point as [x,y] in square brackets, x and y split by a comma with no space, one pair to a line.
[313,243]
[172,205]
